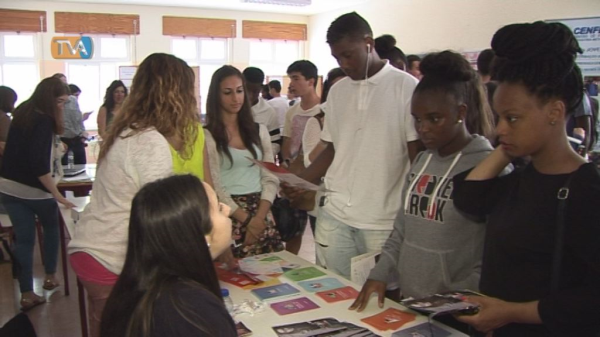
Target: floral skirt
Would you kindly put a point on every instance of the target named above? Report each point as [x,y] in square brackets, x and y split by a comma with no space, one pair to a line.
[269,240]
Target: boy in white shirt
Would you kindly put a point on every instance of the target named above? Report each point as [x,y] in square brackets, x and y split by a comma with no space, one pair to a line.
[303,82]
[371,141]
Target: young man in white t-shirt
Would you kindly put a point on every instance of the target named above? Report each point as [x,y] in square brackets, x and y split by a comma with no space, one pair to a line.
[371,141]
[303,82]
[278,102]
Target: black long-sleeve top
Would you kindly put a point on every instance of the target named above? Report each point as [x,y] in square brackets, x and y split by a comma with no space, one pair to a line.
[27,153]
[520,242]
[201,309]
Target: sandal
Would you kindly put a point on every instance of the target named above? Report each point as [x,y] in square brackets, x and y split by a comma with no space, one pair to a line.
[28,304]
[50,285]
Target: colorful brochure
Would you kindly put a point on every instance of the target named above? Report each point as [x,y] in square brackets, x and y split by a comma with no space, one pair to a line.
[302,274]
[238,280]
[390,319]
[321,284]
[337,295]
[293,306]
[275,291]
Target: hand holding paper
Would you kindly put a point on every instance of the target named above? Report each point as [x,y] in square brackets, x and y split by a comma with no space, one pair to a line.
[285,176]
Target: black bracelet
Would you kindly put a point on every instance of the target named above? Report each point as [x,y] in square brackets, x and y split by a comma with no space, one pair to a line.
[248,219]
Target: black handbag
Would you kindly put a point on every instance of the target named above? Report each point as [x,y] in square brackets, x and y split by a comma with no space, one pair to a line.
[290,222]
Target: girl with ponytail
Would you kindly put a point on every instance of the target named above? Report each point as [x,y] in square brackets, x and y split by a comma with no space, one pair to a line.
[435,248]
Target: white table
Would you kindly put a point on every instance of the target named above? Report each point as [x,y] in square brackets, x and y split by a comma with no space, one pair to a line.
[261,324]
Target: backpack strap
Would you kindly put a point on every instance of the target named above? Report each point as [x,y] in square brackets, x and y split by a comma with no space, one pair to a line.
[319,118]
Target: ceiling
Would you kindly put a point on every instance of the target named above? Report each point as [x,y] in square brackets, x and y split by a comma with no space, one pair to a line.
[317,6]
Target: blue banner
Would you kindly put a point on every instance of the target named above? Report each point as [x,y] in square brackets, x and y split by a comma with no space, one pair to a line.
[587,32]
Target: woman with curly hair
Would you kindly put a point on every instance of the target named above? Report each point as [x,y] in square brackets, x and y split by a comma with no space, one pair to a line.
[113,100]
[157,133]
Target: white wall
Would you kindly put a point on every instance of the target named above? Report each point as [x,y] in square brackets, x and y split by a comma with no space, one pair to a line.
[428,25]
[150,39]
[418,25]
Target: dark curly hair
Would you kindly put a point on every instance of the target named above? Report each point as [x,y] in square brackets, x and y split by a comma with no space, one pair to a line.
[541,56]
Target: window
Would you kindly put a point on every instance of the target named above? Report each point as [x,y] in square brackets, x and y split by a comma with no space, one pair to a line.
[18,64]
[274,56]
[94,75]
[206,53]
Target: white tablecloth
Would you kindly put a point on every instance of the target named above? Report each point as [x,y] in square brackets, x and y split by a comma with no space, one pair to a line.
[261,323]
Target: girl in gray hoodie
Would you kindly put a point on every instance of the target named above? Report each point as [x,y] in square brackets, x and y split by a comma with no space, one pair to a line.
[434,247]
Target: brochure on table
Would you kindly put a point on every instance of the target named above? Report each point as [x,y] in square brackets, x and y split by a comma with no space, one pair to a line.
[307,305]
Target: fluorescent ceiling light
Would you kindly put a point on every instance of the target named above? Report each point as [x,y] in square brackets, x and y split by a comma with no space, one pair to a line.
[281,2]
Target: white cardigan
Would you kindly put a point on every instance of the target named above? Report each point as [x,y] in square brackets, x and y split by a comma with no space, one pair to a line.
[268,181]
[131,163]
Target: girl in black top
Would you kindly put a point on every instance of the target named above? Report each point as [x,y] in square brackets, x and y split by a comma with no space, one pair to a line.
[539,86]
[30,171]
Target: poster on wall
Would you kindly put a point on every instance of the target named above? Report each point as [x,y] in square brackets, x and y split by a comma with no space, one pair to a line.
[471,56]
[587,32]
[126,74]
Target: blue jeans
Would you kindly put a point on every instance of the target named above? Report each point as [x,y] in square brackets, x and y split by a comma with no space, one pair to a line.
[336,242]
[22,213]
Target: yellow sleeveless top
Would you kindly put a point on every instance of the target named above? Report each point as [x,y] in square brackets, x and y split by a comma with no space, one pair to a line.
[195,164]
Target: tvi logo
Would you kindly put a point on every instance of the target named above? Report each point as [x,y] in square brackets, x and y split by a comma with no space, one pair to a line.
[72,47]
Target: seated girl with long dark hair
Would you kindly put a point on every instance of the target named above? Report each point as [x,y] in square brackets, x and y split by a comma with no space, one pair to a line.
[168,286]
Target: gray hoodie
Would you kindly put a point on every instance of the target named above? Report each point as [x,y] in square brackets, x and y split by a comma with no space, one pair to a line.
[440,249]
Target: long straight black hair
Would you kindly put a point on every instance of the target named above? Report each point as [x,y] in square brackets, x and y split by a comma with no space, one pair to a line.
[214,117]
[167,228]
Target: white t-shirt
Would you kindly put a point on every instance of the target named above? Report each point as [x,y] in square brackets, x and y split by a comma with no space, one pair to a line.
[281,106]
[369,123]
[295,123]
[310,138]
[131,163]
[264,114]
